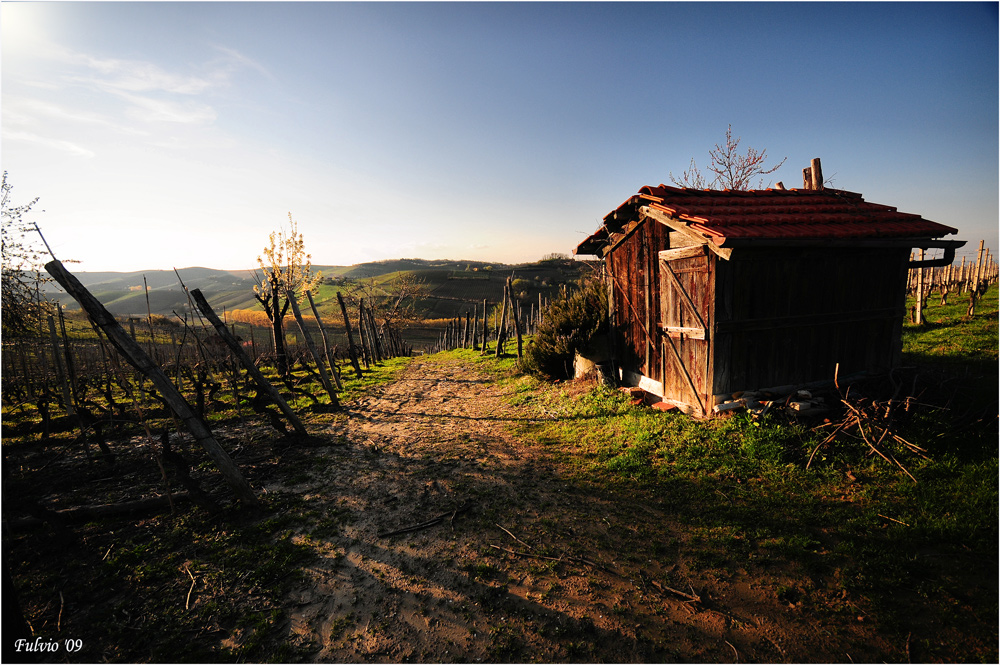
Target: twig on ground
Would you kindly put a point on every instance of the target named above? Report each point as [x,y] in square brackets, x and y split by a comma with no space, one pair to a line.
[187,602]
[575,559]
[514,537]
[428,524]
[690,597]
[885,517]
[825,441]
[734,650]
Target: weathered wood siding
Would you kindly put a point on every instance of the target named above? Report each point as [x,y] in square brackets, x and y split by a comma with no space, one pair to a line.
[686,296]
[771,316]
[786,316]
[633,267]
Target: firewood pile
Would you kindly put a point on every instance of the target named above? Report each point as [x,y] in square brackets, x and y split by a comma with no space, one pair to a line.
[873,423]
[849,418]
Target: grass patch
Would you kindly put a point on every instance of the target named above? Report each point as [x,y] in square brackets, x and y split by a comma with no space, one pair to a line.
[377,375]
[851,523]
[188,581]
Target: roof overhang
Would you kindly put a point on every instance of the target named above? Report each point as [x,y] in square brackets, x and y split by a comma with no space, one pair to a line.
[697,228]
[949,246]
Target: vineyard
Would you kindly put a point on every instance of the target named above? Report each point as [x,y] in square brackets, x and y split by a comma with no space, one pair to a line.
[456,507]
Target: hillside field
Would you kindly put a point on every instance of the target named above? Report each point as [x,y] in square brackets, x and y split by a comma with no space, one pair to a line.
[447,288]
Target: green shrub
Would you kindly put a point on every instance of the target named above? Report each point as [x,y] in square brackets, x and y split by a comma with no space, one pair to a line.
[569,325]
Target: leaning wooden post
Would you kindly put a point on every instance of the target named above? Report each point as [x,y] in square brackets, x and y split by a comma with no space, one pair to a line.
[350,338]
[516,316]
[364,325]
[70,364]
[373,335]
[501,322]
[245,360]
[60,374]
[141,361]
[313,351]
[326,342]
[366,341]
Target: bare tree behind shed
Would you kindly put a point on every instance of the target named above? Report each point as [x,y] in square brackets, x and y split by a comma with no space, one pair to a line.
[733,170]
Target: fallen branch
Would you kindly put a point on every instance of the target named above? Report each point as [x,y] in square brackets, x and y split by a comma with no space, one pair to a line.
[690,597]
[826,441]
[885,517]
[574,559]
[429,523]
[187,602]
[87,513]
[514,537]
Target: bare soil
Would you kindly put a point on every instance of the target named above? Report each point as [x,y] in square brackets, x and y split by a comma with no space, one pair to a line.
[523,563]
[440,534]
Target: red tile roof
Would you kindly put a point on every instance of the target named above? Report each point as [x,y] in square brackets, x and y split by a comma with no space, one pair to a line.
[772,213]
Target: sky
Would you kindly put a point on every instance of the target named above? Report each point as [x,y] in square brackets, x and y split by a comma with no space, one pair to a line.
[160,135]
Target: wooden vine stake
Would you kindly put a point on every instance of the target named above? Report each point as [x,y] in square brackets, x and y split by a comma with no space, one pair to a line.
[141,361]
[245,360]
[919,317]
[485,330]
[60,375]
[350,337]
[516,315]
[323,375]
[326,341]
[501,331]
[366,344]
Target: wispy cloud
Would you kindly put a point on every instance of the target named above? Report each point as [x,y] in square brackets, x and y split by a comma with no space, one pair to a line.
[141,93]
[28,109]
[159,110]
[233,60]
[57,144]
[155,94]
[137,76]
[114,75]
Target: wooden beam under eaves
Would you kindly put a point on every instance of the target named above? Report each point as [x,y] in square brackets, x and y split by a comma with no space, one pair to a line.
[682,227]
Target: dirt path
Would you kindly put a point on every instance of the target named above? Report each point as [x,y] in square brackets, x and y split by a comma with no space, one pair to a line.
[594,576]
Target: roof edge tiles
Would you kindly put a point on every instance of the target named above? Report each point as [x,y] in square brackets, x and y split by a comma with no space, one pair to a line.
[780,214]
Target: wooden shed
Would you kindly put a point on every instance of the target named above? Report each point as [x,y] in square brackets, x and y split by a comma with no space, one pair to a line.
[716,292]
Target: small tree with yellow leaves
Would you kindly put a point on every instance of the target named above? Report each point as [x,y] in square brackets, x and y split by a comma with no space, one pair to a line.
[285,266]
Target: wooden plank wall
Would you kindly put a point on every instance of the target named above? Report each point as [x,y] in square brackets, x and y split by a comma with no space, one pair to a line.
[787,316]
[687,357]
[634,267]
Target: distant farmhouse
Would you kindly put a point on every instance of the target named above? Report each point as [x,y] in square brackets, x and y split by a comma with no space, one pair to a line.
[716,292]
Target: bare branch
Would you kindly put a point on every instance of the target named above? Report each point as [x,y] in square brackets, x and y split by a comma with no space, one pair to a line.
[733,170]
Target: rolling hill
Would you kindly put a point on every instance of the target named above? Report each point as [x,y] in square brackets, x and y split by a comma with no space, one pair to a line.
[448,287]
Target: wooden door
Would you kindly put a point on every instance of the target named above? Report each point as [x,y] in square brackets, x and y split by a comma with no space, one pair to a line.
[685,311]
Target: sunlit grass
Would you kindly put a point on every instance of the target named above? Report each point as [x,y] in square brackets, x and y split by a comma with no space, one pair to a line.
[850,519]
[949,334]
[376,375]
